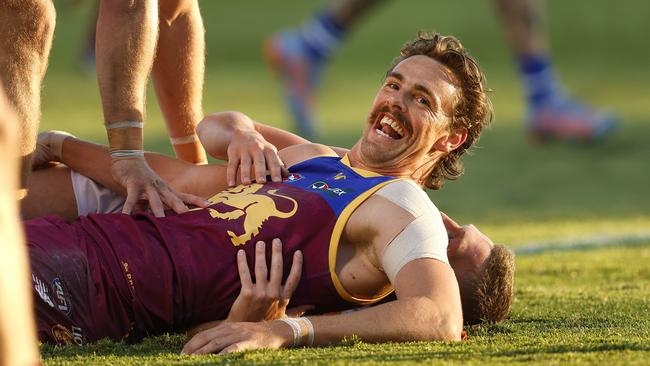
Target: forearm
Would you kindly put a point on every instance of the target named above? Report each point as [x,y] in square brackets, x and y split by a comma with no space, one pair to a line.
[218,129]
[126,40]
[17,331]
[178,75]
[409,319]
[92,161]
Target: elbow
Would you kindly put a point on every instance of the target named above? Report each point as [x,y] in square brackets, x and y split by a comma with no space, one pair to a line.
[228,117]
[447,330]
[439,323]
[202,127]
[451,332]
[214,121]
[219,119]
[215,131]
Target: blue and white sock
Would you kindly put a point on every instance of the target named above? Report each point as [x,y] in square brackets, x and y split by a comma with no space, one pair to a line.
[540,82]
[321,37]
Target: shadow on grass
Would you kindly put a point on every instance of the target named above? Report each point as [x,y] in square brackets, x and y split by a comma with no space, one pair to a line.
[572,348]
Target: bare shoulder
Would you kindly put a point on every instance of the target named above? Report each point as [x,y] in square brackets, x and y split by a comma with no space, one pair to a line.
[377,221]
[295,154]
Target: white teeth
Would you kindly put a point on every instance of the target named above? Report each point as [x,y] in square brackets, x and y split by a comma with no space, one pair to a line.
[382,133]
[388,121]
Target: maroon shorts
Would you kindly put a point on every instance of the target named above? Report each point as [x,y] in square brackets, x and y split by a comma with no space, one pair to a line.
[74,302]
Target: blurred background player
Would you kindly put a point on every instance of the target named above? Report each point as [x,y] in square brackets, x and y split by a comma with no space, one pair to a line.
[299,55]
[17,331]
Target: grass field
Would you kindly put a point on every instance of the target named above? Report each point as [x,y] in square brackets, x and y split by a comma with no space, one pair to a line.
[583,306]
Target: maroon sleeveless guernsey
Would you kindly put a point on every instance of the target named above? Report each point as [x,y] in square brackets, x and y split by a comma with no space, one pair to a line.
[172,273]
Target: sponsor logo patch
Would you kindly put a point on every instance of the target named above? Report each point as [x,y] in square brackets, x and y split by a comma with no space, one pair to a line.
[42,290]
[129,276]
[333,191]
[61,299]
[293,177]
[340,176]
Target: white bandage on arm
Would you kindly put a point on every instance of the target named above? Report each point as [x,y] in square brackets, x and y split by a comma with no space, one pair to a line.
[418,240]
[424,237]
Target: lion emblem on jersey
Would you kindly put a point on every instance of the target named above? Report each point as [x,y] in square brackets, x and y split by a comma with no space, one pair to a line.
[257,208]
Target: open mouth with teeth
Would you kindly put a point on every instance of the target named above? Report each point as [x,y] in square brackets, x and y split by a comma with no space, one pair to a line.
[390,128]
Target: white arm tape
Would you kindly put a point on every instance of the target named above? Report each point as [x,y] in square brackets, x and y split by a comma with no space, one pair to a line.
[418,240]
[424,237]
[125,124]
[184,139]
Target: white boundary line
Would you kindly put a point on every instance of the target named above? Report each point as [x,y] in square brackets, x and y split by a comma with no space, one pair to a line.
[584,243]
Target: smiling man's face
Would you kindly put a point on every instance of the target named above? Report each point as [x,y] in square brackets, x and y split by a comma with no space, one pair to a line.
[410,115]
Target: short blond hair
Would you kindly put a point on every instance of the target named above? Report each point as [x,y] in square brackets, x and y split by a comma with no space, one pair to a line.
[487,296]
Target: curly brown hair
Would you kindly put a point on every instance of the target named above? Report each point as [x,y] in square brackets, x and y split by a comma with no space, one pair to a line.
[472,108]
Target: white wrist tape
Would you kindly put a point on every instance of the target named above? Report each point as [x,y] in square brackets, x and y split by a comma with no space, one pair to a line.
[125,124]
[303,331]
[310,331]
[184,139]
[295,327]
[127,153]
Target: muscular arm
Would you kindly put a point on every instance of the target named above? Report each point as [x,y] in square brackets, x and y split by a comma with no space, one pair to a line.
[217,130]
[89,159]
[178,71]
[427,308]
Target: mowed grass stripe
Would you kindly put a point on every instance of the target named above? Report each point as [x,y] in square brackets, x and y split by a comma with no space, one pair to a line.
[588,242]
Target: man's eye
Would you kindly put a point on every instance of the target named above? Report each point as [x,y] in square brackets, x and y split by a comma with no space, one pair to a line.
[393,86]
[424,101]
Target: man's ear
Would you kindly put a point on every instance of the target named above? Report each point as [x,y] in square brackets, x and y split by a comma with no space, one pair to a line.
[452,141]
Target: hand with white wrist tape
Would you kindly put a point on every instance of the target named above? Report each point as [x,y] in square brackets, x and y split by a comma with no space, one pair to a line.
[130,169]
[142,183]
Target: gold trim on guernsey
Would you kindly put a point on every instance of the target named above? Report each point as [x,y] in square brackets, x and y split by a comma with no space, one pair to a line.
[336,236]
[362,172]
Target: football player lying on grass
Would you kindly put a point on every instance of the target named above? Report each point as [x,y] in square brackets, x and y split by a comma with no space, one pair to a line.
[362,221]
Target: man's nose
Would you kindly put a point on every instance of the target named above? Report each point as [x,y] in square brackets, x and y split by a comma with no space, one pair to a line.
[396,102]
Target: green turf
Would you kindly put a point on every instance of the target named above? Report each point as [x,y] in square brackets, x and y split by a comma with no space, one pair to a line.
[565,311]
[571,307]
